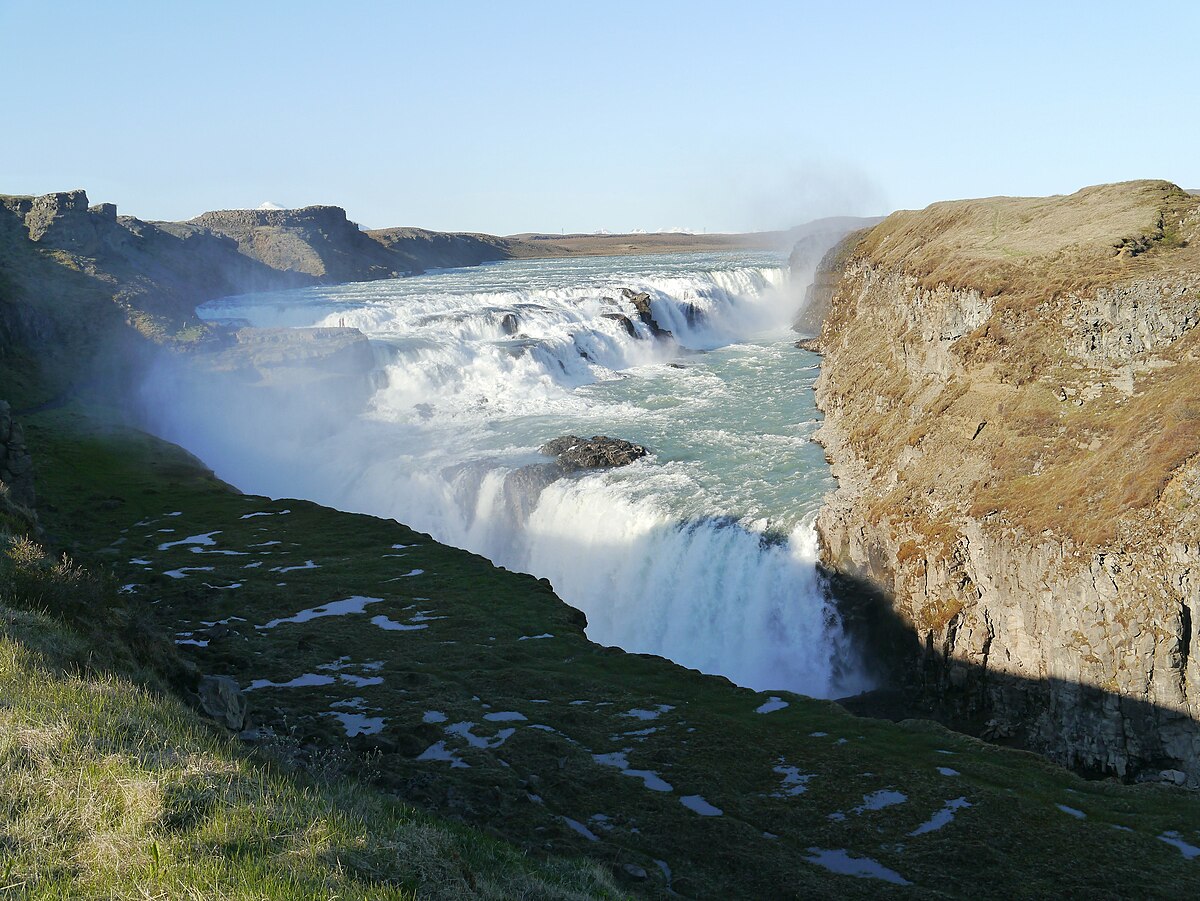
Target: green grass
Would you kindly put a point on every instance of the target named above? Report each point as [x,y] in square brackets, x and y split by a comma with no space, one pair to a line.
[111,789]
[110,491]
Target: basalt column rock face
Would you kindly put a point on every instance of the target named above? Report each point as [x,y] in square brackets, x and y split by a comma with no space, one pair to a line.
[1012,400]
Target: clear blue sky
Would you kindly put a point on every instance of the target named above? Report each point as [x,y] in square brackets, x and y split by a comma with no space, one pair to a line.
[521,116]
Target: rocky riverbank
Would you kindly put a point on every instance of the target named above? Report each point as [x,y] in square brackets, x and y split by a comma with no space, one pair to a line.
[1010,390]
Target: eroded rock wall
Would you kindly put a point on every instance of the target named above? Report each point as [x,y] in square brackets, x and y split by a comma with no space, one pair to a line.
[1019,484]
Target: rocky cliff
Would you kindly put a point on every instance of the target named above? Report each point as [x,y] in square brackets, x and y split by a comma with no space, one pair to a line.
[1012,393]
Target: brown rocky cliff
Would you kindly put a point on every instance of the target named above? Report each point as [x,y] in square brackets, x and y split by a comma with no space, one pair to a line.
[1012,399]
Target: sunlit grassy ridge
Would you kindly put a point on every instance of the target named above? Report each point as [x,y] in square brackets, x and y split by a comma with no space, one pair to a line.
[111,788]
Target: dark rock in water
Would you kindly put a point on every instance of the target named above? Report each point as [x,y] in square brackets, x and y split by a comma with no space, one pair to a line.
[509,324]
[625,321]
[641,303]
[597,452]
[812,345]
[222,699]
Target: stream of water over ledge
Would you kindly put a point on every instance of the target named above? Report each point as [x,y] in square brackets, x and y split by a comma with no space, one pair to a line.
[703,552]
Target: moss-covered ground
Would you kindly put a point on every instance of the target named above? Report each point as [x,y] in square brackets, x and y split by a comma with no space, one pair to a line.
[375,654]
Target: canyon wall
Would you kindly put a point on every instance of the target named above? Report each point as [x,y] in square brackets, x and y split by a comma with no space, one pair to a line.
[1012,400]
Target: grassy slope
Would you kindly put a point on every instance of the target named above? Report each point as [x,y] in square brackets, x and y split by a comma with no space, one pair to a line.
[113,491]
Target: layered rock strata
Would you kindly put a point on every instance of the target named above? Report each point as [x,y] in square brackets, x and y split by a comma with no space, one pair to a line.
[1012,399]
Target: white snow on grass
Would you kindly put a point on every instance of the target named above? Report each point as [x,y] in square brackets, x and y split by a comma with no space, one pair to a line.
[535,637]
[308,564]
[407,575]
[222,587]
[433,716]
[305,681]
[358,723]
[360,681]
[947,771]
[266,513]
[639,714]
[438,751]
[504,716]
[698,805]
[885,797]
[255,565]
[649,778]
[581,829]
[344,607]
[138,561]
[205,539]
[817,734]
[128,589]
[200,550]
[222,622]
[941,817]
[1072,811]
[794,781]
[463,730]
[390,625]
[265,544]
[183,570]
[839,860]
[772,704]
[198,642]
[1173,838]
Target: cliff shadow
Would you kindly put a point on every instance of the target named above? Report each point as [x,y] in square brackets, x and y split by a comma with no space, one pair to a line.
[1094,731]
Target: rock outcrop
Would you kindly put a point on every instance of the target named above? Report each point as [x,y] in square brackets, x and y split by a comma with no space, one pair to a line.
[420,249]
[1010,389]
[17,497]
[641,304]
[597,452]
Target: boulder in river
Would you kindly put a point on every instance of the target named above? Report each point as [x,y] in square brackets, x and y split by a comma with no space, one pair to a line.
[598,452]
[641,303]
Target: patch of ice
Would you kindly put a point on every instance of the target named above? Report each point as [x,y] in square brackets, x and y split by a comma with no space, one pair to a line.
[771,705]
[649,778]
[941,817]
[504,716]
[839,860]
[794,782]
[463,730]
[360,681]
[308,564]
[356,604]
[1173,838]
[266,513]
[581,829]
[180,573]
[204,539]
[698,805]
[305,681]
[885,797]
[535,637]
[1072,811]
[390,625]
[946,771]
[433,716]
[639,714]
[437,751]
